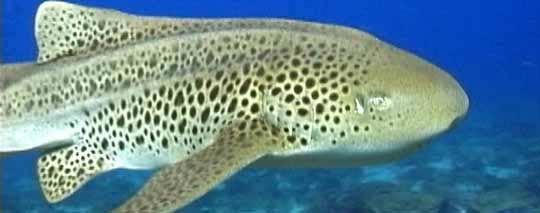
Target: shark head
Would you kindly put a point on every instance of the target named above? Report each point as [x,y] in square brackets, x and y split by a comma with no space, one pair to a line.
[403,102]
[396,104]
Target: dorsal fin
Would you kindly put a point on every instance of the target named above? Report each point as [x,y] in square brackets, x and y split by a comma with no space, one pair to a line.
[64,29]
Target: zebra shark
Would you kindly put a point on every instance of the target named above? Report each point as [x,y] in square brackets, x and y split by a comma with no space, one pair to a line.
[200,99]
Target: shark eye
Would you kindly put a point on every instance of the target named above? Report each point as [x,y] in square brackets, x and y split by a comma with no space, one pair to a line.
[359,105]
[380,103]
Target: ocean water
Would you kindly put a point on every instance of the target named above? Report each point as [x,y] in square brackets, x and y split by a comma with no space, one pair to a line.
[489,163]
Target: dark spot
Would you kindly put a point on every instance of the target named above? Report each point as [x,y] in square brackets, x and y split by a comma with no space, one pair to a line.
[298,89]
[306,100]
[173,67]
[324,90]
[80,172]
[276,91]
[323,129]
[139,140]
[121,145]
[80,42]
[147,117]
[219,75]
[245,86]
[317,65]
[296,62]
[333,97]
[302,112]
[104,144]
[293,75]
[198,83]
[174,115]
[253,93]
[205,114]
[319,108]
[345,89]
[287,86]
[310,83]
[254,108]
[166,108]
[213,93]
[157,119]
[200,98]
[281,78]
[193,111]
[289,98]
[182,126]
[288,113]
[336,120]
[245,102]
[124,36]
[179,99]
[164,143]
[246,69]
[305,71]
[232,105]
[291,138]
[303,141]
[210,57]
[120,121]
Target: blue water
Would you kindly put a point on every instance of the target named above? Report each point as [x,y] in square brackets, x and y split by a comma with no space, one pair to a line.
[490,163]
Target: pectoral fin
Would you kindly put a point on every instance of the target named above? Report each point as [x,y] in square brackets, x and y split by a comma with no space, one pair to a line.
[177,185]
[64,171]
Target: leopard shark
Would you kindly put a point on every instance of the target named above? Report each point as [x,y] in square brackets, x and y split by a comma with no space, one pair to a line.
[200,99]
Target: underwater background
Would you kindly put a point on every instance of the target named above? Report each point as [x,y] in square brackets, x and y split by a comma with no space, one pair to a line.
[489,163]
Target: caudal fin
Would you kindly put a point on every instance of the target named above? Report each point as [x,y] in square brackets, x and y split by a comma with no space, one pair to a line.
[64,171]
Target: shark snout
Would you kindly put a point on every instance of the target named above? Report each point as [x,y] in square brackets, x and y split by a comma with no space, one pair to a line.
[462,105]
[461,110]
[453,102]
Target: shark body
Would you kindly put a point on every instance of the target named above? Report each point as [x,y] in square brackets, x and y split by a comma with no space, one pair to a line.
[200,99]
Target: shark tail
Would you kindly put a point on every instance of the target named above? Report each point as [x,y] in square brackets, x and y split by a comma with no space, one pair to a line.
[12,73]
[9,74]
[27,132]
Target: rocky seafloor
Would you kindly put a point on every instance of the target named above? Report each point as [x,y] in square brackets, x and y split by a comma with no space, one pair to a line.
[484,165]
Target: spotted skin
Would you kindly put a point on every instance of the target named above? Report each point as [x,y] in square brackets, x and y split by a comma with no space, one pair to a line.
[175,186]
[53,89]
[68,85]
[333,96]
[64,171]
[60,27]
[65,29]
[167,121]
